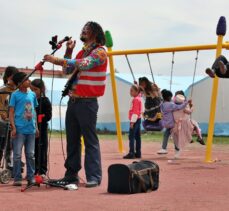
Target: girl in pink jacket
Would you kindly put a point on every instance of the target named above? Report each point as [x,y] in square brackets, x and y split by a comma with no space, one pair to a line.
[135,124]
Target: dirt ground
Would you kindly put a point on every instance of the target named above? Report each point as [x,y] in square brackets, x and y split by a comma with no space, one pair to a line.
[186,184]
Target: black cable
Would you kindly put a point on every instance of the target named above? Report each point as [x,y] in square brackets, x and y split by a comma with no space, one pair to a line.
[50,131]
[61,133]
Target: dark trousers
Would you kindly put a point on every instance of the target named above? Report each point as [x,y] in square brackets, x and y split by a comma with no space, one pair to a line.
[41,142]
[135,135]
[81,118]
[215,67]
[7,146]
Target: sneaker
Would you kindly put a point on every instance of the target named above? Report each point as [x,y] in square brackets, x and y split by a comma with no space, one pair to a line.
[210,72]
[177,154]
[71,187]
[201,141]
[129,156]
[222,67]
[91,184]
[17,183]
[162,152]
[65,181]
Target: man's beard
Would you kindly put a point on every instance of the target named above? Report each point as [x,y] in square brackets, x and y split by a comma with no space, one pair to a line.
[83,39]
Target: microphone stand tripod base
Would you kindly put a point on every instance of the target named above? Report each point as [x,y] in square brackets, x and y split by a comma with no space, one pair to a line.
[38,181]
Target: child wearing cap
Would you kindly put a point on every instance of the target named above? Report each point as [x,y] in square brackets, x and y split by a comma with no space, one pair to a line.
[22,117]
[183,127]
[188,111]
[167,109]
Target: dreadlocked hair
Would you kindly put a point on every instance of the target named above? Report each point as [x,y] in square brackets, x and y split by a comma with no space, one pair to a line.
[97,30]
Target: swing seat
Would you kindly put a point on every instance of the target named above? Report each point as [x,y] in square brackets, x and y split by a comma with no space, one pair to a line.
[152,126]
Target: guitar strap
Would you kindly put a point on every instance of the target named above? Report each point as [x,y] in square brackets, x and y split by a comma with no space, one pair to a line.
[71,80]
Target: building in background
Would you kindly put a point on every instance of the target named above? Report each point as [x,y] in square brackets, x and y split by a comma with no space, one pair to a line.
[106,118]
[201,97]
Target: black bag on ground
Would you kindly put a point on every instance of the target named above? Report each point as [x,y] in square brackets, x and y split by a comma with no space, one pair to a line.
[138,177]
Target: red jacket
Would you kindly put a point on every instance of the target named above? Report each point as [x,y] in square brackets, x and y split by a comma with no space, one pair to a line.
[136,108]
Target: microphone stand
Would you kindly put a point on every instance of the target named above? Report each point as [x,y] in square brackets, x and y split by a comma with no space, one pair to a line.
[38,178]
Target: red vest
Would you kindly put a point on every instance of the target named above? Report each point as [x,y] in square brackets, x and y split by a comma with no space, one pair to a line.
[91,83]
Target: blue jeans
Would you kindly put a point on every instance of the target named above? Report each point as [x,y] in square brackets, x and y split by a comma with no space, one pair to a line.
[135,135]
[28,141]
[166,135]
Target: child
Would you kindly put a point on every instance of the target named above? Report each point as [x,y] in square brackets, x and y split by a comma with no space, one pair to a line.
[148,88]
[183,127]
[167,109]
[219,68]
[188,112]
[135,124]
[9,87]
[152,104]
[23,122]
[44,107]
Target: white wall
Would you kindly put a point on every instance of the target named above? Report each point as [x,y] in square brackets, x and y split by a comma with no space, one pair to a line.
[202,99]
[106,105]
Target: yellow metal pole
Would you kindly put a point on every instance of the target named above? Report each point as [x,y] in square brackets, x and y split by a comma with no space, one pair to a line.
[115,100]
[167,49]
[82,146]
[221,31]
[208,157]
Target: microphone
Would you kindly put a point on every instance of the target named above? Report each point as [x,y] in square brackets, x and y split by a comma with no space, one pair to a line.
[59,44]
[64,40]
[53,42]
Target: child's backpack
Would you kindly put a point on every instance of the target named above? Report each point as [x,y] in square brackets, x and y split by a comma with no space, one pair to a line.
[138,177]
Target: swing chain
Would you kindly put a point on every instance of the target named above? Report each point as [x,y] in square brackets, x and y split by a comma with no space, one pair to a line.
[194,73]
[150,67]
[171,76]
[131,70]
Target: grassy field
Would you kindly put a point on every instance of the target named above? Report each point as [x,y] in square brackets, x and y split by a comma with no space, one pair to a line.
[148,137]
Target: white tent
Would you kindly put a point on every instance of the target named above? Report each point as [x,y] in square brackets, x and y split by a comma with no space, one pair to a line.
[202,99]
[106,117]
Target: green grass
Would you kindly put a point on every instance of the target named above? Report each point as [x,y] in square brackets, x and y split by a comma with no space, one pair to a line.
[147,137]
[220,139]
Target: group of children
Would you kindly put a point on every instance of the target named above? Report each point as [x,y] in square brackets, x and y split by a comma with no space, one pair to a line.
[161,111]
[22,107]
[27,101]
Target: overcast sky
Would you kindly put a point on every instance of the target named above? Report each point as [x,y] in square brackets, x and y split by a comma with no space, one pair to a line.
[27,27]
